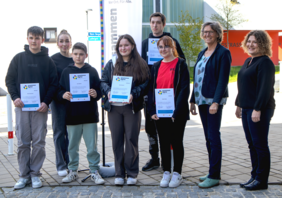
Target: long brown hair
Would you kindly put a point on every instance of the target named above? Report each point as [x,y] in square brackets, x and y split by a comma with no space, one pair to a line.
[136,66]
[168,41]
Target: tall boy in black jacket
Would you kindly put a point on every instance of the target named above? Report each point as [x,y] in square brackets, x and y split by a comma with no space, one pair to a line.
[81,117]
[31,66]
[157,24]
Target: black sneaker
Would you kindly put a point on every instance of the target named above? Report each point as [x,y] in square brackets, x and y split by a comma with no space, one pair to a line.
[151,165]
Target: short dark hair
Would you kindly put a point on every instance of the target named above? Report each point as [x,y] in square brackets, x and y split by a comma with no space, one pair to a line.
[158,14]
[80,46]
[36,31]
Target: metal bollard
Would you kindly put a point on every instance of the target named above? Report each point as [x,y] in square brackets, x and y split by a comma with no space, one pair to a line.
[10,126]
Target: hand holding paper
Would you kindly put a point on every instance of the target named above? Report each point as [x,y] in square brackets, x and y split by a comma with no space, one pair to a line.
[18,103]
[93,93]
[67,95]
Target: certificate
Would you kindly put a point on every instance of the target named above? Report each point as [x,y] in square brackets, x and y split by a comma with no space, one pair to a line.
[121,88]
[79,87]
[164,102]
[30,96]
[153,52]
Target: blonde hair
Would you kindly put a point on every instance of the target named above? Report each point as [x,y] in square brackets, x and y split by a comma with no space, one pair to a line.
[264,42]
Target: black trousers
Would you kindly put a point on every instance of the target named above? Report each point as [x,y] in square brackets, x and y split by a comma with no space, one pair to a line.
[150,128]
[257,137]
[171,134]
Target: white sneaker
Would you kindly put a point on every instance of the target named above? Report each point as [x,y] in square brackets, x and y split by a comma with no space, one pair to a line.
[165,180]
[176,180]
[70,177]
[96,177]
[119,181]
[21,183]
[131,181]
[62,173]
[36,182]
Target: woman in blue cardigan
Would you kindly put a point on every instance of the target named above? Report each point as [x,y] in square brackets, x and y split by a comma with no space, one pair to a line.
[210,92]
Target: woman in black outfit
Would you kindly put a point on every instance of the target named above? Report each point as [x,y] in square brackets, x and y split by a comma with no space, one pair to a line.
[255,104]
[125,118]
[62,59]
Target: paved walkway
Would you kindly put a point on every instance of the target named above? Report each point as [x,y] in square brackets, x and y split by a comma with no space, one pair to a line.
[141,192]
[235,164]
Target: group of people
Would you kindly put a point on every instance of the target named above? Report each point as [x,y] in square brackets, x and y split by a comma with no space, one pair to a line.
[72,120]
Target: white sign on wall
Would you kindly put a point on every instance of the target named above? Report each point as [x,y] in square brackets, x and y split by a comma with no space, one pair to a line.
[121,17]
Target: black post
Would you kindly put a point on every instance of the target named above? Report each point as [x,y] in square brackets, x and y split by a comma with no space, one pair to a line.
[103,130]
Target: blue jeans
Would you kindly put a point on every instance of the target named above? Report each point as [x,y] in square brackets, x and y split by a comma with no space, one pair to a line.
[257,137]
[211,124]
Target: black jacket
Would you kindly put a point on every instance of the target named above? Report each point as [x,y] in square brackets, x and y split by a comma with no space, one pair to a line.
[80,112]
[216,74]
[181,90]
[256,84]
[138,90]
[27,67]
[145,46]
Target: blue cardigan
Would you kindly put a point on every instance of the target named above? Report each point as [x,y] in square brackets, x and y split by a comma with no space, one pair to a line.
[216,74]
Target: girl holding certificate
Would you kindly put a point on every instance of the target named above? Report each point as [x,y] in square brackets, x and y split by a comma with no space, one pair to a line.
[170,72]
[125,118]
[62,59]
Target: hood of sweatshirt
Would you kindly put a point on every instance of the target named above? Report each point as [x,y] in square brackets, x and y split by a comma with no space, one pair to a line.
[43,52]
[74,68]
[164,34]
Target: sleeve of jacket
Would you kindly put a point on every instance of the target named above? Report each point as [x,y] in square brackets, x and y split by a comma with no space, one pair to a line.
[53,83]
[225,66]
[144,49]
[151,100]
[140,90]
[184,91]
[179,50]
[11,79]
[265,79]
[105,85]
[62,86]
[96,85]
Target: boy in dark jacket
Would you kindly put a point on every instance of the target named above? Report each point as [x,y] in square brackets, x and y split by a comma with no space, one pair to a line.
[157,24]
[82,115]
[33,66]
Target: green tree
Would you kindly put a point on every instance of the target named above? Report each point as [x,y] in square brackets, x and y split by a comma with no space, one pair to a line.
[189,36]
[228,16]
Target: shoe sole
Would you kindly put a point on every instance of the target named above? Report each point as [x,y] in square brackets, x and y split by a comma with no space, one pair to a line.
[154,167]
[209,186]
[177,185]
[201,180]
[37,186]
[119,184]
[23,186]
[162,186]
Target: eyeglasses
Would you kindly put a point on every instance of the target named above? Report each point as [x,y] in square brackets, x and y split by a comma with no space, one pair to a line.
[165,47]
[208,32]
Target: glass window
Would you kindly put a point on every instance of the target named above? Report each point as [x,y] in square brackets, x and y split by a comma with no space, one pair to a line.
[146,30]
[148,9]
[172,9]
